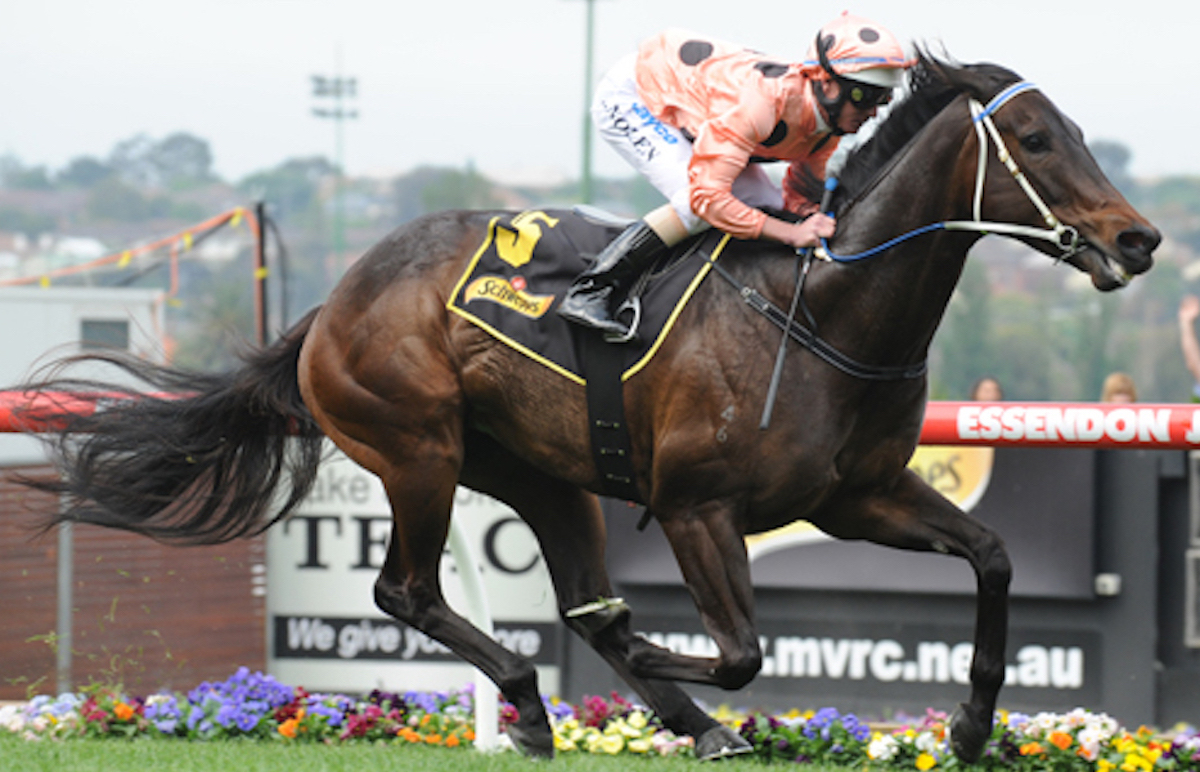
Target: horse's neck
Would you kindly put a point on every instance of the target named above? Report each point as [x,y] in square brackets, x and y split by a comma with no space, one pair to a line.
[904,292]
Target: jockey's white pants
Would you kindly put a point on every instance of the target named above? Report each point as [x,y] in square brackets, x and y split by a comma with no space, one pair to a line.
[660,151]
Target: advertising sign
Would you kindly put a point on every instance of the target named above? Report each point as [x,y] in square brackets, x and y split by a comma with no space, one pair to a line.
[1040,501]
[324,629]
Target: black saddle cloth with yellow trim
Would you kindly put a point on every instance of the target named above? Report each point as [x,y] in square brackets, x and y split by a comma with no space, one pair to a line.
[516,279]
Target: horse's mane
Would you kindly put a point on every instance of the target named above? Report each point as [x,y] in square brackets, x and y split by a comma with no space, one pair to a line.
[932,85]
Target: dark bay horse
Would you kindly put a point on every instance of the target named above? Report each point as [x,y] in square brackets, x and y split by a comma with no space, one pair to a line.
[427,401]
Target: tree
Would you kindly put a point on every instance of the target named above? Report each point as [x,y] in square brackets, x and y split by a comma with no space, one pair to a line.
[15,175]
[292,187]
[1113,158]
[84,172]
[179,161]
[453,189]
[182,160]
[966,336]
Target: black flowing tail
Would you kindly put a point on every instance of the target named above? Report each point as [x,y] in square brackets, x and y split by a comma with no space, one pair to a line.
[198,464]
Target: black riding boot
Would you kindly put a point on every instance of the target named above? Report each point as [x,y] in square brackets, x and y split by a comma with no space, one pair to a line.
[596,292]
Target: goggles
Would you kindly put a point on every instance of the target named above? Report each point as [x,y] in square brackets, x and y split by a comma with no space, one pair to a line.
[865,96]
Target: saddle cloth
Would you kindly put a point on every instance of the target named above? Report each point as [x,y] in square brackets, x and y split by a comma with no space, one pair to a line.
[516,279]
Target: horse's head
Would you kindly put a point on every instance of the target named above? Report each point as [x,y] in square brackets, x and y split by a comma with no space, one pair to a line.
[1114,241]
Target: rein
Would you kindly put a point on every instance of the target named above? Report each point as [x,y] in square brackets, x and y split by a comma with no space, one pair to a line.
[813,342]
[1065,237]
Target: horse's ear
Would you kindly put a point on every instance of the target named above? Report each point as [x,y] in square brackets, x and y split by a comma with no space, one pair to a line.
[980,81]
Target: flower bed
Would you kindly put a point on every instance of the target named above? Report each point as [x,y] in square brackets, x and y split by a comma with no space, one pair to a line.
[252,705]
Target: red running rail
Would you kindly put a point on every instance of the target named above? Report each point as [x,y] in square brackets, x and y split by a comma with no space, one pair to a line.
[997,424]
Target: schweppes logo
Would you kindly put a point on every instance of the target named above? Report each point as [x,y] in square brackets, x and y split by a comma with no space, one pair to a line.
[961,474]
[497,289]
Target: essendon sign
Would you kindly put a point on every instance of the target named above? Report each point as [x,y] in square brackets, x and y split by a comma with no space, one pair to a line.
[1094,425]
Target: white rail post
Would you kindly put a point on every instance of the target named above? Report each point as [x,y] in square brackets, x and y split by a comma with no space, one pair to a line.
[487,718]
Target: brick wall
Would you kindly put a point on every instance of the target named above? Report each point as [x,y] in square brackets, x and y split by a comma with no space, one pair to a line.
[145,614]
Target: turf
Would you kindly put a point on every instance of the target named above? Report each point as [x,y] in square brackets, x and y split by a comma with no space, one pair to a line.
[249,756]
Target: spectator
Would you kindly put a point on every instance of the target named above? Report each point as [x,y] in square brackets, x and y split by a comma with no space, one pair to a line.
[987,389]
[1118,387]
[1189,310]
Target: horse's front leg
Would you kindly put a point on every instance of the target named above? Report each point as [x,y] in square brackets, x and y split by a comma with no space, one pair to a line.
[913,516]
[711,554]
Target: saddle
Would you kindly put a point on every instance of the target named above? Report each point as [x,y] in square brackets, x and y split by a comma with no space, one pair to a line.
[519,274]
[526,262]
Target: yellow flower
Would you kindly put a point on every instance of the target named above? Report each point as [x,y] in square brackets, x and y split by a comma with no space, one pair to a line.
[612,743]
[926,762]
[1104,765]
[640,745]
[637,719]
[1135,762]
[563,744]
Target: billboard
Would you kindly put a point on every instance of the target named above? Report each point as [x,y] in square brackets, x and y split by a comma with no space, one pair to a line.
[1040,501]
[324,630]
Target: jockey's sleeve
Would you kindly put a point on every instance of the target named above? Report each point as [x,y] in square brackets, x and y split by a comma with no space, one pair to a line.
[793,183]
[722,149]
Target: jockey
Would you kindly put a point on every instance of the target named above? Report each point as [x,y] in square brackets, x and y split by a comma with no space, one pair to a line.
[693,114]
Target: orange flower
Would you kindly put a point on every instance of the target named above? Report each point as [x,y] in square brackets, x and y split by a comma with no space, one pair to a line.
[123,711]
[288,728]
[452,741]
[425,719]
[1060,740]
[469,735]
[433,739]
[408,734]
[1032,749]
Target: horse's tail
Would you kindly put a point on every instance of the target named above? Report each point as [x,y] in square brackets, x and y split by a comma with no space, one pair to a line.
[197,465]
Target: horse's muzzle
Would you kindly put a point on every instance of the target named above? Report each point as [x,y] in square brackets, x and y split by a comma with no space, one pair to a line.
[1136,245]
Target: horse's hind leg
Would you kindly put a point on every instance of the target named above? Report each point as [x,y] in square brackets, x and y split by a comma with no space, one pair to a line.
[913,516]
[408,588]
[570,529]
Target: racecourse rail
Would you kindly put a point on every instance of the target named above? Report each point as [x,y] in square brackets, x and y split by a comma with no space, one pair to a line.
[1139,425]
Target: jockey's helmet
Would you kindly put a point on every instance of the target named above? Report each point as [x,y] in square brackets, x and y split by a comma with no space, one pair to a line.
[864,58]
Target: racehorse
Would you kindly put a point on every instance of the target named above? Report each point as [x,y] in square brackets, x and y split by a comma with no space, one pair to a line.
[428,401]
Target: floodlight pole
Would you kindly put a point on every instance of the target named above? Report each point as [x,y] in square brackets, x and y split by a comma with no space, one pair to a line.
[338,89]
[585,176]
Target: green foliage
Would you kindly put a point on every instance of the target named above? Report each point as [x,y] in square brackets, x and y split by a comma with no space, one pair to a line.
[967,339]
[454,189]
[179,161]
[24,221]
[114,199]
[84,172]
[292,187]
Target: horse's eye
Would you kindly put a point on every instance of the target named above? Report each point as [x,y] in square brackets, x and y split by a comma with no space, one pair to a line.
[1035,143]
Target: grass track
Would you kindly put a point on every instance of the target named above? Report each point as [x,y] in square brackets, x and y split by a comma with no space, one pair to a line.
[250,756]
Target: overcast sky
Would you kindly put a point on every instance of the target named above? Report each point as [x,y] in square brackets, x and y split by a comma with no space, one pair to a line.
[500,82]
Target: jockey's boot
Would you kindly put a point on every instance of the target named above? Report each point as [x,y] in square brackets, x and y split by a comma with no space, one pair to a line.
[597,291]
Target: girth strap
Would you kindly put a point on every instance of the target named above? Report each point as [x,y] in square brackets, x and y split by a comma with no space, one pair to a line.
[603,364]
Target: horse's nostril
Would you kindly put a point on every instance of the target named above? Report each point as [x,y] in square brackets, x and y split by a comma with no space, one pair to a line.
[1139,240]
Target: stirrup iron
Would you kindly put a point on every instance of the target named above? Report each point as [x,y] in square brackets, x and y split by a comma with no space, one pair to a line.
[633,305]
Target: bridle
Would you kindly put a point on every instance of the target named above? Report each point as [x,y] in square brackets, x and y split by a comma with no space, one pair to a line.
[1065,237]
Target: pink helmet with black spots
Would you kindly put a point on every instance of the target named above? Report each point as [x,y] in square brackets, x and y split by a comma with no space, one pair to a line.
[857,49]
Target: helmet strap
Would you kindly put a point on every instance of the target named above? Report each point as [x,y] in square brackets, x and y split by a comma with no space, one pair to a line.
[832,106]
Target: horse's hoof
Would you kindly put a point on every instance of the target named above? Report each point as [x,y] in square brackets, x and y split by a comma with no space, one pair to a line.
[968,733]
[535,745]
[721,742]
